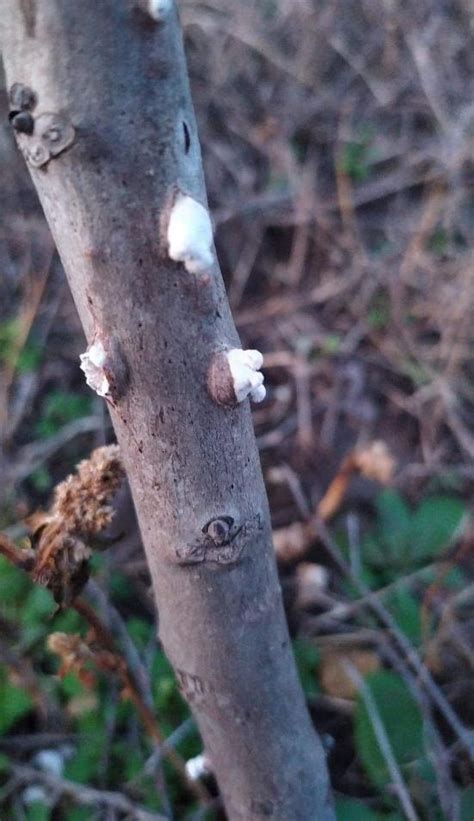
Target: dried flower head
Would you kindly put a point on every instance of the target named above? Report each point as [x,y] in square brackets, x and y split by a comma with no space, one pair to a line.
[63,537]
[83,501]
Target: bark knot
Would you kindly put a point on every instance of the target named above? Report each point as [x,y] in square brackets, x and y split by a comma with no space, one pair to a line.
[42,137]
[222,542]
[233,375]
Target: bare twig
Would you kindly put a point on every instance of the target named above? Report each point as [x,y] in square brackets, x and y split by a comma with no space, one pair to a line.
[383,742]
[82,794]
[438,698]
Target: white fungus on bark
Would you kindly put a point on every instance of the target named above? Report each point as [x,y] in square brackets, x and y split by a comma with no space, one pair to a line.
[245,371]
[190,236]
[159,9]
[92,364]
[198,767]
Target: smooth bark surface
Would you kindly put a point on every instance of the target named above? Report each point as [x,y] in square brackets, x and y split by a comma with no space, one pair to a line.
[118,78]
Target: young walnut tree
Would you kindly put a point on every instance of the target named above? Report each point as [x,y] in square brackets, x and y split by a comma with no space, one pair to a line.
[101,109]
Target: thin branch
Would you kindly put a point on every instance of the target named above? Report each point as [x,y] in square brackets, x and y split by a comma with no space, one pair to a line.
[84,795]
[146,714]
[383,742]
[373,603]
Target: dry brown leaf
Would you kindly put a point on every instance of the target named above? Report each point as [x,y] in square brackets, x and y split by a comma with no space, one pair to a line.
[374,461]
[292,542]
[335,680]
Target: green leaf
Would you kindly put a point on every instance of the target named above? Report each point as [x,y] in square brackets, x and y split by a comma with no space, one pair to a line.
[14,584]
[15,702]
[406,611]
[141,632]
[435,525]
[127,763]
[395,522]
[39,606]
[84,766]
[59,408]
[30,357]
[349,809]
[80,814]
[37,811]
[307,658]
[467,804]
[401,719]
[41,479]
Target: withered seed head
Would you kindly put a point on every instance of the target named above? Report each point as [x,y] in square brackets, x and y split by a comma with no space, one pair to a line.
[63,537]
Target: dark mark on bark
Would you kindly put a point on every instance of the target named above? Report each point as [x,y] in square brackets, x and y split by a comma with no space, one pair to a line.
[28,12]
[222,543]
[264,808]
[22,122]
[219,381]
[187,138]
[21,98]
[192,686]
[51,134]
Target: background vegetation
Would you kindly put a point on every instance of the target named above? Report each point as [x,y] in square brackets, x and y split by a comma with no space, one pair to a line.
[337,140]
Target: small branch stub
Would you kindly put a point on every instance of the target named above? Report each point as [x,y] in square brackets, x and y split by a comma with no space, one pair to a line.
[190,236]
[234,375]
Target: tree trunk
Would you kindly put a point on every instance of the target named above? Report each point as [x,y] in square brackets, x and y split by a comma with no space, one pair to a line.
[105,121]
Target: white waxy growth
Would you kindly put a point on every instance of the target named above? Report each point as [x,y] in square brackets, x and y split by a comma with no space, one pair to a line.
[159,9]
[92,364]
[190,237]
[197,767]
[245,371]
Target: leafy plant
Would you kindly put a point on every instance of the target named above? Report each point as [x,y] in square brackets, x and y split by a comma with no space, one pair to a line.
[401,719]
[404,539]
[307,657]
[14,700]
[30,355]
[350,809]
[357,156]
[59,408]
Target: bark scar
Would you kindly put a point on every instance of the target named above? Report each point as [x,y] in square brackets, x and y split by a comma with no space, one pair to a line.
[28,12]
[45,136]
[222,542]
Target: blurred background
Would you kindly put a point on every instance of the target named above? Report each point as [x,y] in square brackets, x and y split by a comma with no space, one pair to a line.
[338,148]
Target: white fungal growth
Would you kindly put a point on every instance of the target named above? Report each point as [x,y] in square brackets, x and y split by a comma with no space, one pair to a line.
[159,9]
[92,364]
[245,371]
[190,238]
[198,767]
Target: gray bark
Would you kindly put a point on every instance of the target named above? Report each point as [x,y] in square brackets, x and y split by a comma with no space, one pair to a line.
[116,82]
